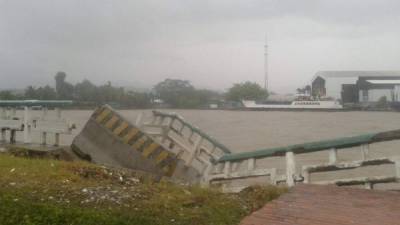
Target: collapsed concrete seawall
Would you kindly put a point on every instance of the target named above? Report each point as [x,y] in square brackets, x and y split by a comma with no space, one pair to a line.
[108,138]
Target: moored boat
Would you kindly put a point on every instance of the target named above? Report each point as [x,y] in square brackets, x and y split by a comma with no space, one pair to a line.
[301,102]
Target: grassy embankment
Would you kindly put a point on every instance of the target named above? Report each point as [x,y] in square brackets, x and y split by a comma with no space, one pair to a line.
[43,191]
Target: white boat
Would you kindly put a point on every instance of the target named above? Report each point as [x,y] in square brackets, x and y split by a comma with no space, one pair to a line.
[296,104]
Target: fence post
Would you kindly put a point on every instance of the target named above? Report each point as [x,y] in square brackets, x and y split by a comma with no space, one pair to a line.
[8,113]
[193,151]
[306,175]
[165,131]
[369,186]
[251,164]
[27,128]
[58,113]
[57,139]
[3,135]
[364,151]
[138,121]
[290,168]
[227,168]
[44,113]
[3,113]
[332,156]
[397,168]
[44,137]
[14,112]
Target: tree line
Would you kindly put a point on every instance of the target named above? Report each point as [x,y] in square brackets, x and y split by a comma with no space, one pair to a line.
[170,93]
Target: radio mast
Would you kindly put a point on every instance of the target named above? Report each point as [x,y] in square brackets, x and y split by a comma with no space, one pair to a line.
[266,64]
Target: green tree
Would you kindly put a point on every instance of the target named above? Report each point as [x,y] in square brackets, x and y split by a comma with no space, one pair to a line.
[30,93]
[246,91]
[135,99]
[177,93]
[107,93]
[64,89]
[41,93]
[8,95]
[46,93]
[86,91]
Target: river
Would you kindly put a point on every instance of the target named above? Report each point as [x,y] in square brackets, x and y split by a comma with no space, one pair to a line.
[250,130]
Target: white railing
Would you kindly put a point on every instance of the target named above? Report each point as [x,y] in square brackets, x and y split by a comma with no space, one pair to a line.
[218,166]
[291,176]
[46,123]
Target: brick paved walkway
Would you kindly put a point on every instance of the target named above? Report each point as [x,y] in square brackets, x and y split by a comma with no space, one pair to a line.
[329,205]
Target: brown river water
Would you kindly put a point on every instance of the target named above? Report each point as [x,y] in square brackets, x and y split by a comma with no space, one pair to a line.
[250,130]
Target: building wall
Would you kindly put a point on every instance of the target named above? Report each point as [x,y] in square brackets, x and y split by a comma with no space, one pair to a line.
[333,85]
[396,93]
[373,95]
[318,87]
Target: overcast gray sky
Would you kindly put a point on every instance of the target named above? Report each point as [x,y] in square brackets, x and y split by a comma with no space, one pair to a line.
[212,43]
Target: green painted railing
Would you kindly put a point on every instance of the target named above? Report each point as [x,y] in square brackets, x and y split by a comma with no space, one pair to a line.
[44,103]
[338,143]
[194,129]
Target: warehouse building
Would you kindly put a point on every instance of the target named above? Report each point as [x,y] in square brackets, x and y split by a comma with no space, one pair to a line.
[357,86]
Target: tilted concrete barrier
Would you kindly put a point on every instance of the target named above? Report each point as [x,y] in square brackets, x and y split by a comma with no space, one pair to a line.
[108,138]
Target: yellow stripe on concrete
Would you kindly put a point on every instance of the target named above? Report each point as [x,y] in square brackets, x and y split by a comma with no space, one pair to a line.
[131,134]
[150,149]
[162,156]
[112,121]
[103,115]
[139,143]
[121,128]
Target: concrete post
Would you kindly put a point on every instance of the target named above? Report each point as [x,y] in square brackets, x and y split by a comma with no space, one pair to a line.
[227,168]
[206,180]
[364,151]
[8,113]
[44,137]
[397,168]
[369,186]
[332,156]
[306,175]
[273,176]
[161,121]
[14,112]
[58,113]
[44,113]
[57,140]
[3,135]
[234,166]
[3,113]
[27,128]
[290,169]
[166,130]
[139,119]
[251,164]
[193,151]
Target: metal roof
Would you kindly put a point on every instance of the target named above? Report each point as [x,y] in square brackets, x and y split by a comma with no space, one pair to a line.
[384,81]
[356,73]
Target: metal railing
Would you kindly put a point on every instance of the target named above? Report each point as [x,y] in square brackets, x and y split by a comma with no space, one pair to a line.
[291,177]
